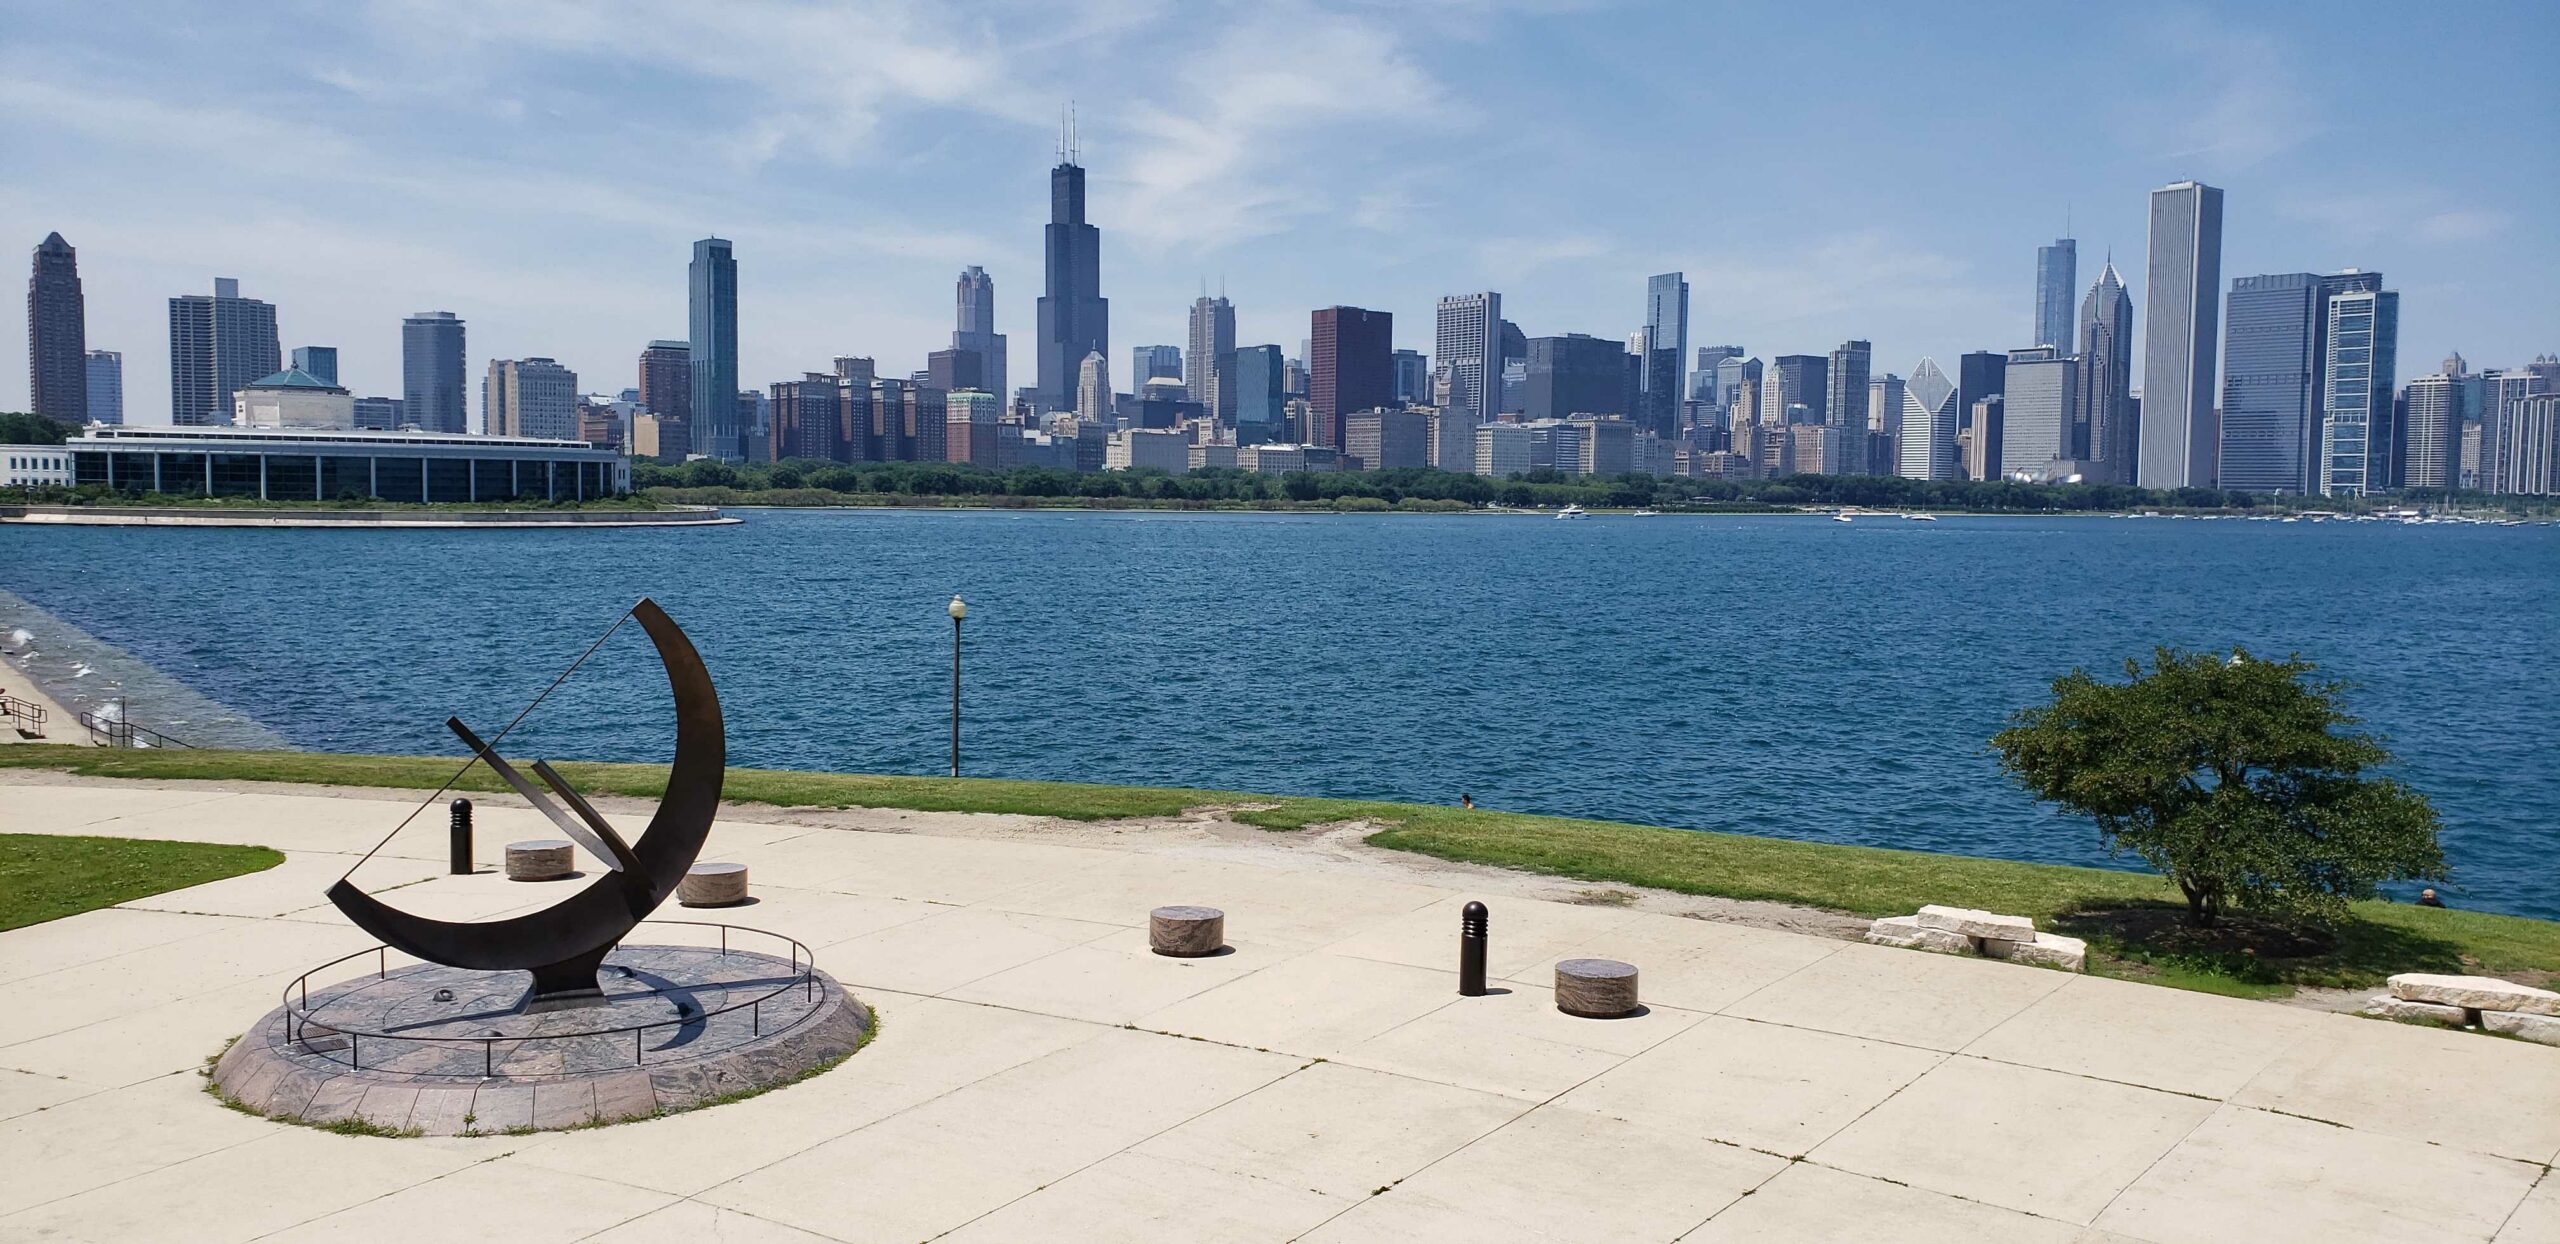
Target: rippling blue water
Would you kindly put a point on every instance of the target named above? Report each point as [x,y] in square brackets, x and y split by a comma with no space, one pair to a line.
[1781,675]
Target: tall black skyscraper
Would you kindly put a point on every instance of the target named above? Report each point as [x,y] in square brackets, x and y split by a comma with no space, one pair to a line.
[713,303]
[1075,319]
[57,335]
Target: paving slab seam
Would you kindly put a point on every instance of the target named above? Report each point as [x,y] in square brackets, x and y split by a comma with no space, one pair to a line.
[2083,1075]
[2510,1219]
[2145,1173]
[1550,1103]
[1178,1123]
[1098,1030]
[246,1140]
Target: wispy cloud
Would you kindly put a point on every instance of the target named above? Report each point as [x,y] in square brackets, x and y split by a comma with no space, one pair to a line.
[2231,98]
[1284,115]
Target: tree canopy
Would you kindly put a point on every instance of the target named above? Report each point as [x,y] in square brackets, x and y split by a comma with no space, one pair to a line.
[2244,781]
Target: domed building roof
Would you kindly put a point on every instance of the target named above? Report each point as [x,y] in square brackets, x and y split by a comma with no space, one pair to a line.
[294,378]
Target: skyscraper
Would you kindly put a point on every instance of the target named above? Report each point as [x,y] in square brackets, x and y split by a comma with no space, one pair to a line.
[534,397]
[2432,412]
[1348,367]
[1212,356]
[321,362]
[431,355]
[2106,378]
[1258,380]
[2057,274]
[1093,390]
[2181,328]
[2040,389]
[1927,448]
[2270,383]
[666,379]
[1979,374]
[106,386]
[1467,340]
[1793,390]
[1666,351]
[1887,397]
[1576,374]
[976,332]
[1075,319]
[713,302]
[2359,349]
[1706,380]
[1413,377]
[216,345]
[58,335]
[1153,362]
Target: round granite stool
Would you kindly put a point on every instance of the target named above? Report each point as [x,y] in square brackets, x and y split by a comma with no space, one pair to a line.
[1186,932]
[1596,988]
[713,885]
[542,859]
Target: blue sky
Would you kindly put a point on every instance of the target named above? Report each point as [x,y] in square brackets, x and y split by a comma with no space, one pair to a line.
[1820,171]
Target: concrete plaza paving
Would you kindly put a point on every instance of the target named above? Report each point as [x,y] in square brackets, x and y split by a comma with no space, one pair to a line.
[1040,1076]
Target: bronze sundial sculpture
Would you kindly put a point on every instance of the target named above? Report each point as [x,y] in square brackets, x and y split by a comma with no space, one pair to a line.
[562,945]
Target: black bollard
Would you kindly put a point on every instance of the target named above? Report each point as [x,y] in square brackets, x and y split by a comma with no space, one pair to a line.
[1471,935]
[461,837]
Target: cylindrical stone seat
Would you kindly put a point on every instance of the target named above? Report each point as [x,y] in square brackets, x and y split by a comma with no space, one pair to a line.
[1187,932]
[541,859]
[713,885]
[1596,988]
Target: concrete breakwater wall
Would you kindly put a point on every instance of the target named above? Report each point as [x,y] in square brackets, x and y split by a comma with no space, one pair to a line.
[83,673]
[211,516]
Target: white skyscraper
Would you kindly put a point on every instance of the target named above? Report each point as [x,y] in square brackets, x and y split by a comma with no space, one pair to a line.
[1093,391]
[1211,356]
[2181,331]
[1927,449]
[1468,342]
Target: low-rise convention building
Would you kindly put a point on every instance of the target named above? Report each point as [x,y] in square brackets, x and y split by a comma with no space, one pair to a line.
[34,466]
[310,464]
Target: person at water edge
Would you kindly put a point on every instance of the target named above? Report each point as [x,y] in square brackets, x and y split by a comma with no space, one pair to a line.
[1466,800]
[2427,898]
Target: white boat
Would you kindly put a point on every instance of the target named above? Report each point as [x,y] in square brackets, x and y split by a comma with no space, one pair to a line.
[1646,514]
[1922,518]
[1572,511]
[1842,517]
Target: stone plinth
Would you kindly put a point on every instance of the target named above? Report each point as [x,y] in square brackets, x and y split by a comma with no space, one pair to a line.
[1596,988]
[713,885]
[2541,1029]
[2388,1007]
[1186,932]
[680,1026]
[2048,950]
[541,859]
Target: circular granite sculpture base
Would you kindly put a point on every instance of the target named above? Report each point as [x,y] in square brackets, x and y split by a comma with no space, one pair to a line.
[468,1060]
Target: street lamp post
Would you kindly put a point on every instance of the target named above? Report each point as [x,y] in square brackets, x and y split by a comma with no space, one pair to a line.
[959,610]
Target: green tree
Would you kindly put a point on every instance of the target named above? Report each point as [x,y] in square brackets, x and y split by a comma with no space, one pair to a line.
[20,428]
[2243,781]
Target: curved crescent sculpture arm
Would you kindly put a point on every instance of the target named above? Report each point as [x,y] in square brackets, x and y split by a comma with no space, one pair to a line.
[554,942]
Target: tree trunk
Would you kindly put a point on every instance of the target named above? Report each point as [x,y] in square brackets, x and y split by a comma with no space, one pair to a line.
[2203,902]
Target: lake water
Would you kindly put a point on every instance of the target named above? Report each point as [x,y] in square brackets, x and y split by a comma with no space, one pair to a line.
[1782,675]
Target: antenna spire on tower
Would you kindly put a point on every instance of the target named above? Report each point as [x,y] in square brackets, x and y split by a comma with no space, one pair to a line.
[1075,149]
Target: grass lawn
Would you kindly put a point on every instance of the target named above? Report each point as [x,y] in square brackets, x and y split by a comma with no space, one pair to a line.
[46,877]
[2129,918]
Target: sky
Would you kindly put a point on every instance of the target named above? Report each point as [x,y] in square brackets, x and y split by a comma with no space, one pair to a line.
[1819,171]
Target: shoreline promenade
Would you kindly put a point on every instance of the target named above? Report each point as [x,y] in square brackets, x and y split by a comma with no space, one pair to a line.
[1039,1074]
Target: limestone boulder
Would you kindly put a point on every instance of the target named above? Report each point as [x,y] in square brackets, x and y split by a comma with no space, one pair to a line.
[1905,931]
[2478,993]
[2384,1006]
[2049,950]
[1968,922]
[2540,1029]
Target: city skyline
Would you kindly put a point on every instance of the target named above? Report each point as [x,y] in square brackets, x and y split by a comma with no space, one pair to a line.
[860,268]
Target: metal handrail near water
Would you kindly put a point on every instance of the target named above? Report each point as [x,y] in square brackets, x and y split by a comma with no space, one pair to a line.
[120,733]
[297,1005]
